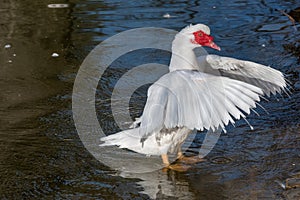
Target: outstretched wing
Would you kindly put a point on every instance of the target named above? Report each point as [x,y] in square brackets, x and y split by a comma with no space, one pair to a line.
[271,81]
[196,100]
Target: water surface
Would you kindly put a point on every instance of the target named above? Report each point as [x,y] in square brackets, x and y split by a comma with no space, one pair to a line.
[41,153]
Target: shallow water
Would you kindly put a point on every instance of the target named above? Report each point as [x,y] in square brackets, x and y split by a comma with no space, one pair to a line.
[41,153]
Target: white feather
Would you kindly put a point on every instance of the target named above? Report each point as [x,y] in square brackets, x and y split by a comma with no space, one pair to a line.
[200,93]
[270,80]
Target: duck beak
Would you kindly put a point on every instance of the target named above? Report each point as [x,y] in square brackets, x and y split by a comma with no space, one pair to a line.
[214,46]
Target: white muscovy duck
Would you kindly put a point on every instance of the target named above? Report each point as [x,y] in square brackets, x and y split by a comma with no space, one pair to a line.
[200,93]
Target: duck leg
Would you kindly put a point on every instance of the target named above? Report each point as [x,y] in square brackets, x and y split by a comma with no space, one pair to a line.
[176,167]
[165,160]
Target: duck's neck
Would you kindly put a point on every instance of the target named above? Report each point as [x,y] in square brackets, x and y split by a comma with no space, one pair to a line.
[183,56]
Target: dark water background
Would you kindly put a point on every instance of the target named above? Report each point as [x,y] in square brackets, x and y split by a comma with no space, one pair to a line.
[41,155]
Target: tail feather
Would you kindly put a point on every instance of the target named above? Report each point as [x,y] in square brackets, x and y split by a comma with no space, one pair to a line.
[123,139]
[130,139]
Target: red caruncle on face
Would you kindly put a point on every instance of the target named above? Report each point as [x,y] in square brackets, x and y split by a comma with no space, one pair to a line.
[202,38]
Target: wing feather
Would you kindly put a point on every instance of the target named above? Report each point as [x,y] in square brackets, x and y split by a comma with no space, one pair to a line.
[196,100]
[270,80]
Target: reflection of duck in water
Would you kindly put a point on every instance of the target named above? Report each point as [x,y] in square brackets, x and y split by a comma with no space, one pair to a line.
[159,185]
[200,93]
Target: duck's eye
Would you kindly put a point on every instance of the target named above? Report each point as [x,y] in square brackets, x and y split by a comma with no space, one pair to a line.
[200,34]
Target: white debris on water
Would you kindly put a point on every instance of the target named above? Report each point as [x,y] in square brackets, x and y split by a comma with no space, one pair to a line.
[263,45]
[7,46]
[14,55]
[167,15]
[55,55]
[58,5]
[281,184]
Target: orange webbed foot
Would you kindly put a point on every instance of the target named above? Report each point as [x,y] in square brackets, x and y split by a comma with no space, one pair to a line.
[178,167]
[190,159]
